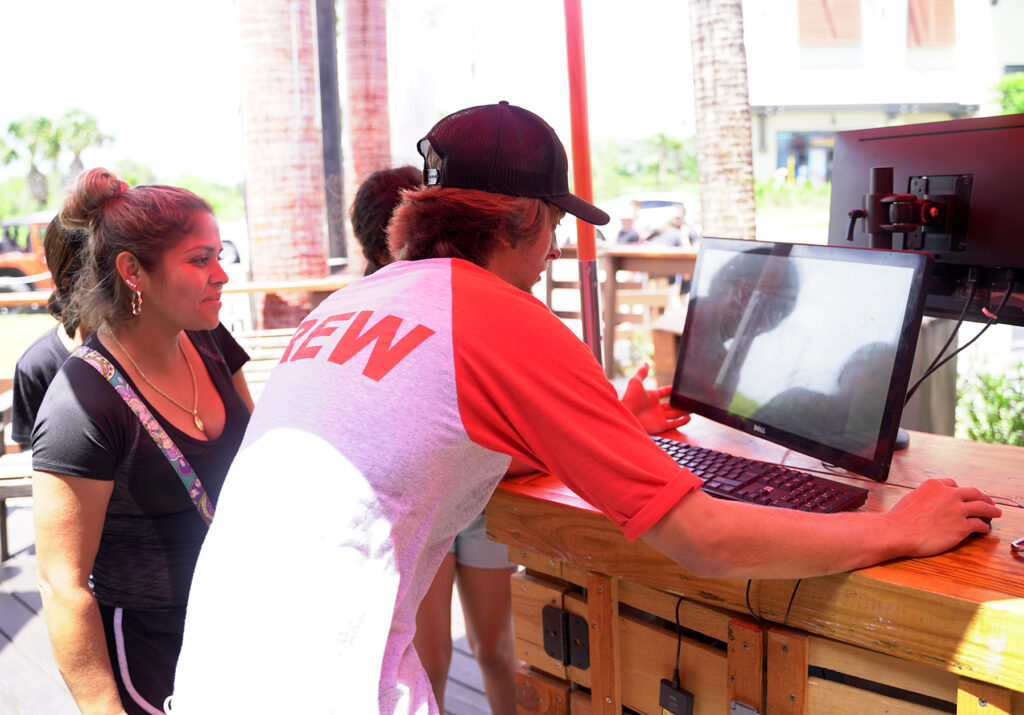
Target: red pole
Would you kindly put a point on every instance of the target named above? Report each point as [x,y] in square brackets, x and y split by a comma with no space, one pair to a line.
[581,172]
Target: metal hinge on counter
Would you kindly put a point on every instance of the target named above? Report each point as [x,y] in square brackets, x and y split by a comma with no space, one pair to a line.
[566,637]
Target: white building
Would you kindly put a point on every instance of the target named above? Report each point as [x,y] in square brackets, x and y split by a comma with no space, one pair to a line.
[820,66]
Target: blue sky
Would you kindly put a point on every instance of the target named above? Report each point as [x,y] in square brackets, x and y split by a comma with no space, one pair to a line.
[163,77]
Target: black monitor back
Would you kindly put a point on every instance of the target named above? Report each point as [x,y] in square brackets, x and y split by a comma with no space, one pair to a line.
[969,174]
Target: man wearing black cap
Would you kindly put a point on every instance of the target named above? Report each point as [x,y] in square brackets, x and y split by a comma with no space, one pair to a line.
[400,403]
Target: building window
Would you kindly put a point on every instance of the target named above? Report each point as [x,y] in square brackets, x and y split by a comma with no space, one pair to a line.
[931,39]
[829,23]
[930,23]
[829,34]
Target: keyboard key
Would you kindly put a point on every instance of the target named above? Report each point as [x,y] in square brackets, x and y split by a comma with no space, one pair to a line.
[738,478]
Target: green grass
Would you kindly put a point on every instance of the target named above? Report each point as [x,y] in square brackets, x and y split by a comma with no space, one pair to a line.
[17,332]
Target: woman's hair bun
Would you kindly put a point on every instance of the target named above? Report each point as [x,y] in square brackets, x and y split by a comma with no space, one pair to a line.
[94,188]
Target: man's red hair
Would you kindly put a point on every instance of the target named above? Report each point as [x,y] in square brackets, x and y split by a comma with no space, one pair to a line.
[439,222]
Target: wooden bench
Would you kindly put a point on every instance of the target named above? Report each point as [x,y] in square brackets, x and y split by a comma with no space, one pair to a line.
[6,408]
[639,307]
[638,301]
[15,468]
[15,481]
[265,348]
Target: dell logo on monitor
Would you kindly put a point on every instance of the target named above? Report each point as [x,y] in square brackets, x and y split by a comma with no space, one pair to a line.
[759,429]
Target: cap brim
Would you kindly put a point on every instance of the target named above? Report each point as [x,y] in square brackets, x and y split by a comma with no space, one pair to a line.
[579,208]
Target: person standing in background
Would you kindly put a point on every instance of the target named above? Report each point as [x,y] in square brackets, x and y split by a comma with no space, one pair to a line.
[628,233]
[677,232]
[371,210]
[43,358]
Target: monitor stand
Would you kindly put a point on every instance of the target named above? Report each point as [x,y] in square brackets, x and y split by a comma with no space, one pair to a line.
[902,439]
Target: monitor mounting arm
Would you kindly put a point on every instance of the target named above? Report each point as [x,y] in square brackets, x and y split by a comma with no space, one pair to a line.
[936,206]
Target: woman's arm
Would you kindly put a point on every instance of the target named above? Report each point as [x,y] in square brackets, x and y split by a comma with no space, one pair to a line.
[69,513]
[243,389]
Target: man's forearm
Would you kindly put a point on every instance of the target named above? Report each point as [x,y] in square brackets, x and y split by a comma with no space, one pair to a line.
[720,539]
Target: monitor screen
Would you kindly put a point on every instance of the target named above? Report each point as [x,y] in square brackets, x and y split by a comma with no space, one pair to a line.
[807,346]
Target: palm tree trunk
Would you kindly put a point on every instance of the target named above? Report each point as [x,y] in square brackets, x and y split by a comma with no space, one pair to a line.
[284,174]
[38,186]
[367,119]
[74,170]
[725,163]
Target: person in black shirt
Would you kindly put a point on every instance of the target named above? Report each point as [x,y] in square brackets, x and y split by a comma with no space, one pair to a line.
[117,533]
[43,358]
[32,375]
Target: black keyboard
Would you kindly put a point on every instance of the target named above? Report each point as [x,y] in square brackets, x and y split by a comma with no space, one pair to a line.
[741,479]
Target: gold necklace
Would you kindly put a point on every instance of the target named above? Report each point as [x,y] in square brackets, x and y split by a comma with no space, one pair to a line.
[195,389]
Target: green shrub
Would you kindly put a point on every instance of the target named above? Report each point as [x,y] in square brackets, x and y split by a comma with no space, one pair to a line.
[791,195]
[990,408]
[1011,90]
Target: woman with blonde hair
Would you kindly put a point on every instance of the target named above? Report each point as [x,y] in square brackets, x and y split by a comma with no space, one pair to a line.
[133,440]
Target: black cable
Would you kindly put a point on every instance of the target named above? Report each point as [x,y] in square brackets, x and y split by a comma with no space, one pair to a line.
[959,321]
[679,645]
[991,321]
[952,335]
[749,608]
[791,597]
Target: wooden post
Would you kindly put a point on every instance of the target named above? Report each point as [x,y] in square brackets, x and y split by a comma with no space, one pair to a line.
[787,672]
[746,654]
[539,694]
[977,698]
[606,683]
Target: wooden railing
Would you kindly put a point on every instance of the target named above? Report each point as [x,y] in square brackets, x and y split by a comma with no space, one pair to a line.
[328,284]
[313,285]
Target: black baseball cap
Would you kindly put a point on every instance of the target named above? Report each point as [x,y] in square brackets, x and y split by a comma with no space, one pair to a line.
[505,150]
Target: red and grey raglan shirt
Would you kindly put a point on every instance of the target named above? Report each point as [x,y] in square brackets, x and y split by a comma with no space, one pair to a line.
[383,431]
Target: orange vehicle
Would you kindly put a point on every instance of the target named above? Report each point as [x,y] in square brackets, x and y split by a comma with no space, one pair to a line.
[22,261]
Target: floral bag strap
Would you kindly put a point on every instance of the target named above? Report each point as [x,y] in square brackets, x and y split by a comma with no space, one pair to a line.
[177,460]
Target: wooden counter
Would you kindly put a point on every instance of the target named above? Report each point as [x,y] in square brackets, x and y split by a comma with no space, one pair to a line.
[912,635]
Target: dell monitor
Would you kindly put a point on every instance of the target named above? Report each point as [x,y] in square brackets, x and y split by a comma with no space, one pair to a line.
[808,346]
